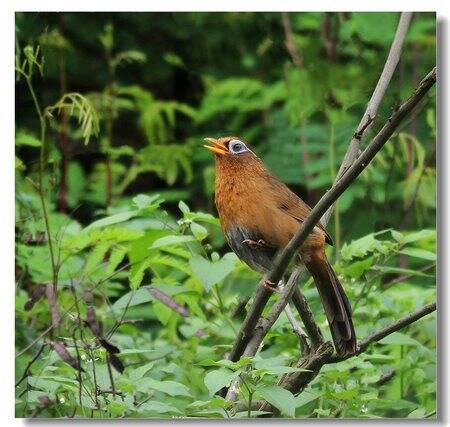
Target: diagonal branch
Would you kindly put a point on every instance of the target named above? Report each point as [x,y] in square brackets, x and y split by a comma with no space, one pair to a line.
[375,100]
[284,257]
[262,295]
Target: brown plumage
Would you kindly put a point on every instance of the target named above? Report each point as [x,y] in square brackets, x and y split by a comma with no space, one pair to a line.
[259,215]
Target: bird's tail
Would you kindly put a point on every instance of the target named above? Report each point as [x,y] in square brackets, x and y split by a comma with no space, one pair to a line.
[335,302]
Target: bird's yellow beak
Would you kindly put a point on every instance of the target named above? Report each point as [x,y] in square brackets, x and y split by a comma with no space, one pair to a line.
[217,147]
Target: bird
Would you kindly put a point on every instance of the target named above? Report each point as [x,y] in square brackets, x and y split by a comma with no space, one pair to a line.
[259,215]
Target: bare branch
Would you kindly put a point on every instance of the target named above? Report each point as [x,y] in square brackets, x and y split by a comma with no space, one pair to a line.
[313,330]
[261,295]
[296,327]
[290,43]
[375,101]
[248,335]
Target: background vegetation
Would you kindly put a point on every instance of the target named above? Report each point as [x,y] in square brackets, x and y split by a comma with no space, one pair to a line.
[125,287]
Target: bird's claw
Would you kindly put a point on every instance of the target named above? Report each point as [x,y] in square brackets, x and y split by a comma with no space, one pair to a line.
[269,285]
[257,244]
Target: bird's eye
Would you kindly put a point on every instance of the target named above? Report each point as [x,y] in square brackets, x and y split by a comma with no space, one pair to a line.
[237,146]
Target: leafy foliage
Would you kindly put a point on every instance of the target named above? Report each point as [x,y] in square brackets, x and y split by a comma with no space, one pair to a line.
[125,287]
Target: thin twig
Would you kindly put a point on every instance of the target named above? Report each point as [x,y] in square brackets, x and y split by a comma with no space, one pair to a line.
[26,371]
[311,326]
[404,277]
[290,43]
[296,327]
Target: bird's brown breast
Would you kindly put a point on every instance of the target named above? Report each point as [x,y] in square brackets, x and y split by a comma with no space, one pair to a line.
[253,204]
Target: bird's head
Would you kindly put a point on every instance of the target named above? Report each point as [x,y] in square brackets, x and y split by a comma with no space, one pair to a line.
[229,147]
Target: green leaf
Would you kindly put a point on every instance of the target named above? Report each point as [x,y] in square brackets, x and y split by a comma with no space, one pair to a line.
[346,394]
[113,219]
[116,408]
[361,247]
[279,397]
[159,407]
[397,338]
[184,208]
[143,201]
[139,296]
[397,236]
[219,378]
[209,273]
[171,240]
[138,373]
[198,231]
[398,270]
[419,253]
[162,312]
[418,413]
[420,235]
[172,388]
[278,370]
[307,396]
[24,138]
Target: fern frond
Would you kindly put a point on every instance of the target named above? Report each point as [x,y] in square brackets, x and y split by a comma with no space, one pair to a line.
[79,106]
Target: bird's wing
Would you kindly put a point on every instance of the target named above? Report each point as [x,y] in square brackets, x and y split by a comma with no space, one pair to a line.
[293,205]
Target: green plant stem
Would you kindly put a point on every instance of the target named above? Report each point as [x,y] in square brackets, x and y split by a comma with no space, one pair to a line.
[43,127]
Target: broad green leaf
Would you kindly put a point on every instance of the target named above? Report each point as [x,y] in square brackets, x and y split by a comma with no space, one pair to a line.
[417,413]
[137,373]
[184,208]
[198,231]
[346,394]
[279,397]
[419,253]
[143,201]
[209,273]
[163,313]
[419,235]
[397,236]
[398,270]
[171,240]
[172,388]
[116,408]
[110,220]
[158,407]
[219,378]
[361,247]
[398,338]
[307,396]
[139,296]
[24,138]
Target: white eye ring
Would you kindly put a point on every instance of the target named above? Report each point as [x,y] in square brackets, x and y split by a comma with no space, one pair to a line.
[236,146]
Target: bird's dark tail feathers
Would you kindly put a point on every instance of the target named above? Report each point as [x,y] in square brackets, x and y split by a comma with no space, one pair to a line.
[335,302]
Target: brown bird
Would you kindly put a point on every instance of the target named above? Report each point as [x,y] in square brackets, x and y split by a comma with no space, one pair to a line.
[259,215]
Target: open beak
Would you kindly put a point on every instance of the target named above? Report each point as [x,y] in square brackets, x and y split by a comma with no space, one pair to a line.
[216,147]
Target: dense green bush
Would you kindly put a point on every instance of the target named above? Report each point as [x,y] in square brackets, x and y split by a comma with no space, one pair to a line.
[121,267]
